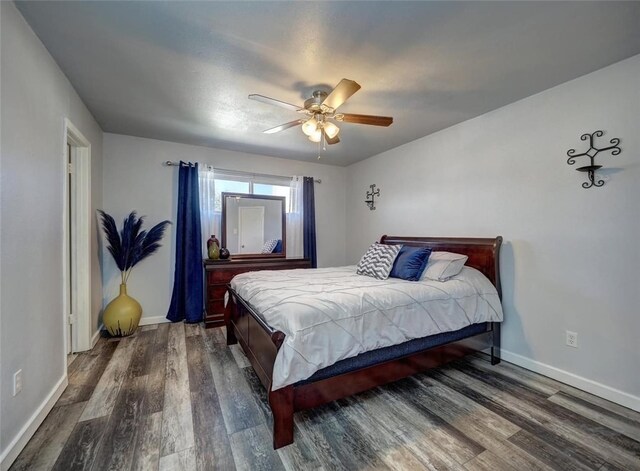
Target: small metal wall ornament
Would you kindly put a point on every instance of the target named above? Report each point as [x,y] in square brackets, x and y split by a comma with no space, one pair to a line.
[591,153]
[371,197]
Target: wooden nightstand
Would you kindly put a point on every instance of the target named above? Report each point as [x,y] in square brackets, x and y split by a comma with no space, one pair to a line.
[218,274]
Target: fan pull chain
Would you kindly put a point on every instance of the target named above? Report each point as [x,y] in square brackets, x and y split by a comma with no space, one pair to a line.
[321,143]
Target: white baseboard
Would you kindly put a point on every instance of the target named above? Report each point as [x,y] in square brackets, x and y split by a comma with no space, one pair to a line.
[96,336]
[588,385]
[14,448]
[153,320]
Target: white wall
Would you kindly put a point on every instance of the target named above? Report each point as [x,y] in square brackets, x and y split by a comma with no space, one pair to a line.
[36,98]
[571,256]
[134,178]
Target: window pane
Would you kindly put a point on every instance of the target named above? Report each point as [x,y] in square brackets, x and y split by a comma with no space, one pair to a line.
[274,190]
[229,186]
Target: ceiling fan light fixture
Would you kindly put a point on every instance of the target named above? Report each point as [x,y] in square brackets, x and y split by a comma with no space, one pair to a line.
[330,129]
[310,127]
[319,117]
[316,135]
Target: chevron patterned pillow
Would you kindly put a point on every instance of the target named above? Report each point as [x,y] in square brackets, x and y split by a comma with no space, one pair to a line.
[377,262]
[269,245]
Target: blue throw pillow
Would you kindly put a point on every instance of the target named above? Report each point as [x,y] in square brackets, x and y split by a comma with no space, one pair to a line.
[410,263]
[278,247]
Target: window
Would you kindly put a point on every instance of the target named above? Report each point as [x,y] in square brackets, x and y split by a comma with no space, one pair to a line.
[229,186]
[239,184]
[274,190]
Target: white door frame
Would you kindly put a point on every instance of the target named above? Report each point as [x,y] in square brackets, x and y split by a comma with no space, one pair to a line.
[79,315]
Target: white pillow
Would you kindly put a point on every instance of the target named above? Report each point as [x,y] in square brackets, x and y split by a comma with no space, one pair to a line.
[377,262]
[444,265]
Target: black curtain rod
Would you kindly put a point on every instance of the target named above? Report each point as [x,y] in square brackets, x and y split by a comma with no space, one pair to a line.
[169,163]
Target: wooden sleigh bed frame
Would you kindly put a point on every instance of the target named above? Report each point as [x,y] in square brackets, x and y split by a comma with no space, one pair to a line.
[260,342]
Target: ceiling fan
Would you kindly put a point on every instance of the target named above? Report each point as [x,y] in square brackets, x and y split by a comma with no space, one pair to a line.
[320,112]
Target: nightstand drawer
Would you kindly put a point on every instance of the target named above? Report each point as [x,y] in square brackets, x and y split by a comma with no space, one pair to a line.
[215,306]
[216,291]
[219,276]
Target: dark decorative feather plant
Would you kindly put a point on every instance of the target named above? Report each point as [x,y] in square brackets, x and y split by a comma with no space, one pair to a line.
[131,245]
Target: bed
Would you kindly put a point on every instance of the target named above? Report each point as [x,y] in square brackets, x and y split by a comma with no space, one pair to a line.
[344,369]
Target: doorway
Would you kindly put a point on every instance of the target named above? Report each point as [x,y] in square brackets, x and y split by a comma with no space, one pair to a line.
[70,244]
[251,229]
[76,241]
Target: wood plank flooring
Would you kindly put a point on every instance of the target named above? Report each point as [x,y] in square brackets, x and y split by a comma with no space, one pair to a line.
[175,397]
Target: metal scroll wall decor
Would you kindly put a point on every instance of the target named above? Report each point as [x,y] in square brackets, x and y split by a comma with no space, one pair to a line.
[371,197]
[591,153]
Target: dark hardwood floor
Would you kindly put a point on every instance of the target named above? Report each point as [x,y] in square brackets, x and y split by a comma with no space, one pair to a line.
[175,397]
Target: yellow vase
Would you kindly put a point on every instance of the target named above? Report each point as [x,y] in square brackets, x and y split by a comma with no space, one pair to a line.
[214,251]
[122,315]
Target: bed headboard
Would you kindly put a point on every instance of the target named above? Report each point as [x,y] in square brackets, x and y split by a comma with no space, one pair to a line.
[484,254]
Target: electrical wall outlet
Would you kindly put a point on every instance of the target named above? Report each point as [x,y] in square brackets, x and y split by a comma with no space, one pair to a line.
[572,339]
[17,382]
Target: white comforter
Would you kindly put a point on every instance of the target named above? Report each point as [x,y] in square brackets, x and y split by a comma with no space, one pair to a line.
[329,314]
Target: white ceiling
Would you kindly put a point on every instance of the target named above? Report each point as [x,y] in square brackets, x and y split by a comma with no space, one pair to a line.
[181,71]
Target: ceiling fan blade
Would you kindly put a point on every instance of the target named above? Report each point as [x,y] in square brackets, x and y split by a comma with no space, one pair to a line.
[273,101]
[365,119]
[341,93]
[284,126]
[330,141]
